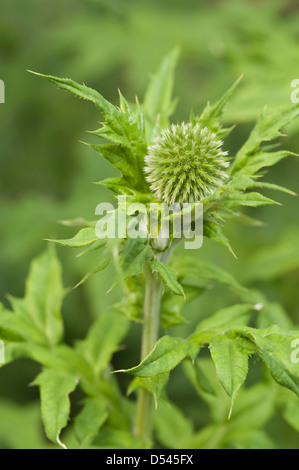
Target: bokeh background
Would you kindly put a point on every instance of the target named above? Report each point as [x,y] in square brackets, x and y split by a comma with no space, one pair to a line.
[46,174]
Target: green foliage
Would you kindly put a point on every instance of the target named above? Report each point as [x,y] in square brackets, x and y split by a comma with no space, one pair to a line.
[34,328]
[231,363]
[55,387]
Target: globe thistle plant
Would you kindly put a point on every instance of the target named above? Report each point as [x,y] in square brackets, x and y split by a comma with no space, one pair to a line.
[186,163]
[181,163]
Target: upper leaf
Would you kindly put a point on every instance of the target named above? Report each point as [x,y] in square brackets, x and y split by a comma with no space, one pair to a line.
[266,129]
[123,129]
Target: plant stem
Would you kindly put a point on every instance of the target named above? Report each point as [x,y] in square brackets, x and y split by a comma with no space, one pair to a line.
[150,334]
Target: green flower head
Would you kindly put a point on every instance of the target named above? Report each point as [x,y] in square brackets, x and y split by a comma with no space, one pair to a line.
[186,163]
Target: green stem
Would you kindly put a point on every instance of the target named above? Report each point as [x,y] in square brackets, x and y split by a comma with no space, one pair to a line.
[150,334]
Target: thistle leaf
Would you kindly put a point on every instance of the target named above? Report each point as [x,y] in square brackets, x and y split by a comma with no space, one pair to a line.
[55,388]
[166,355]
[168,276]
[266,129]
[84,237]
[37,317]
[123,127]
[231,363]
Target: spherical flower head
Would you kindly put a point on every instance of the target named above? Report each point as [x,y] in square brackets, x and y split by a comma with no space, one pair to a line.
[186,163]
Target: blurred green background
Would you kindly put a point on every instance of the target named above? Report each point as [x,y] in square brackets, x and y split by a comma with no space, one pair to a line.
[46,173]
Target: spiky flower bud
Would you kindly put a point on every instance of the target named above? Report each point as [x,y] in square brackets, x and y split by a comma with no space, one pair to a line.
[186,163]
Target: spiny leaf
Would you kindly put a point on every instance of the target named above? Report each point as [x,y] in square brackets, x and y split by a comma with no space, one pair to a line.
[213,231]
[231,363]
[135,252]
[243,182]
[266,129]
[274,347]
[211,115]
[117,156]
[251,199]
[84,237]
[81,91]
[168,276]
[263,159]
[167,354]
[122,127]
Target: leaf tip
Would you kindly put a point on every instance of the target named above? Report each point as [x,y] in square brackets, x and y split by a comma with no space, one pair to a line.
[61,443]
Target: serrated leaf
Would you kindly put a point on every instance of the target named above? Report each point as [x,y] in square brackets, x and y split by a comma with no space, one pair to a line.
[231,365]
[37,317]
[251,199]
[274,347]
[214,232]
[84,237]
[82,92]
[168,276]
[124,126]
[166,355]
[135,252]
[243,182]
[263,159]
[55,388]
[211,115]
[117,156]
[266,129]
